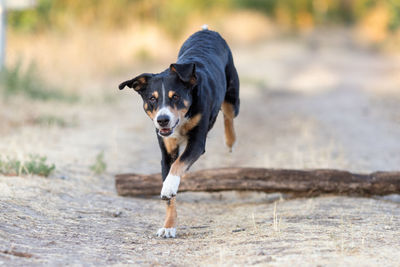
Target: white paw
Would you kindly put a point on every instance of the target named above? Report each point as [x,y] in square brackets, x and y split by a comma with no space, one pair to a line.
[166,232]
[170,186]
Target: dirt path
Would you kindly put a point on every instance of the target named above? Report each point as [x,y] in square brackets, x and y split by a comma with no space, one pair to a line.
[306,103]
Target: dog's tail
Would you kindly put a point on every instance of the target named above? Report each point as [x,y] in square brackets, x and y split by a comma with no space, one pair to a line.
[204,27]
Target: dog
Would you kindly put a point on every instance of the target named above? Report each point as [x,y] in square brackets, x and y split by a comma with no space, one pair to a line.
[184,101]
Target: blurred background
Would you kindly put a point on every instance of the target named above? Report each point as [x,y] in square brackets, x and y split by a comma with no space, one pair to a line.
[68,42]
[319,80]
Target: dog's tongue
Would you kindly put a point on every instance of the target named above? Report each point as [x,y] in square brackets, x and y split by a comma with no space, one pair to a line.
[165,130]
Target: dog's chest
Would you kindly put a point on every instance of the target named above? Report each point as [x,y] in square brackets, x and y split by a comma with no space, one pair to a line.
[180,134]
[176,140]
[179,138]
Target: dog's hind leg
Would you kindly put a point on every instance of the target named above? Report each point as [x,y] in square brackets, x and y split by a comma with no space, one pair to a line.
[169,229]
[230,136]
[231,104]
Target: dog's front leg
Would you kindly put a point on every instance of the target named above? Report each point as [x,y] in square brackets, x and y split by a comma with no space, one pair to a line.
[194,149]
[170,188]
[169,151]
[169,228]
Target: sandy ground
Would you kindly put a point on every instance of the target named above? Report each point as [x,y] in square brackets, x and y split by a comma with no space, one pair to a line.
[315,102]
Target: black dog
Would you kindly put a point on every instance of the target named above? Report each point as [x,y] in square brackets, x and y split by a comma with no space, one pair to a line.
[183,101]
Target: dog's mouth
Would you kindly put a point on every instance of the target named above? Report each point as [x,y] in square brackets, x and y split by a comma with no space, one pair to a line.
[167,131]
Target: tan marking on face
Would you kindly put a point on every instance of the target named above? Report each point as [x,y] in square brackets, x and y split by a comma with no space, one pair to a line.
[152,114]
[170,220]
[229,114]
[170,144]
[155,94]
[178,167]
[171,93]
[190,124]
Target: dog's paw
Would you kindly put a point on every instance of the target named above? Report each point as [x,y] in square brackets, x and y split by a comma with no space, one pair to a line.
[166,232]
[170,186]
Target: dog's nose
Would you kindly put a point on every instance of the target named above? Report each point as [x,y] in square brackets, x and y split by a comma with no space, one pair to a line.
[163,120]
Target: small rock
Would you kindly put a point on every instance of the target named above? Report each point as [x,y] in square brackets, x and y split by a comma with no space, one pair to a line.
[261,253]
[117,214]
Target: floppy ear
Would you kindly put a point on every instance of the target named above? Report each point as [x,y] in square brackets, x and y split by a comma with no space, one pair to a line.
[138,83]
[185,72]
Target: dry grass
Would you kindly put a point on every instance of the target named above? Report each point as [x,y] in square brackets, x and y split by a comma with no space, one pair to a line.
[277,220]
[14,81]
[98,54]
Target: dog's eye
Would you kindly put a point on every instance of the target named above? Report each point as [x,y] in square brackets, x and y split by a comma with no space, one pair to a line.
[152,99]
[175,97]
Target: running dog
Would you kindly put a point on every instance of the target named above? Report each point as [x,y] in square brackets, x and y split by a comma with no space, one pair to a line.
[184,101]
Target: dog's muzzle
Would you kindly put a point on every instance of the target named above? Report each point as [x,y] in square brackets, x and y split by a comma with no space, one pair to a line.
[165,122]
[166,131]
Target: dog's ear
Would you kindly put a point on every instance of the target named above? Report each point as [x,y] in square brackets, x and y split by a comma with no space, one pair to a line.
[185,72]
[138,83]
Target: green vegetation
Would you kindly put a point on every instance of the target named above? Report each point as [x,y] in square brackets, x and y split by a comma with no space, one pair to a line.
[171,15]
[35,165]
[99,165]
[15,81]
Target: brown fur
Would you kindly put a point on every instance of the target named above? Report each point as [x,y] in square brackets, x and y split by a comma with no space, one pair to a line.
[141,82]
[152,114]
[190,124]
[155,94]
[170,144]
[171,93]
[229,114]
[178,167]
[170,220]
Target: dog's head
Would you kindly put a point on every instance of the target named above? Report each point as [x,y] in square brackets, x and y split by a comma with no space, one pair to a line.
[167,96]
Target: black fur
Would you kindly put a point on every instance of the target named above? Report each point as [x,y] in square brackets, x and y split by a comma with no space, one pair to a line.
[204,76]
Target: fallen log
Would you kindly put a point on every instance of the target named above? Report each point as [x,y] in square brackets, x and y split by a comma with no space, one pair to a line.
[296,182]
